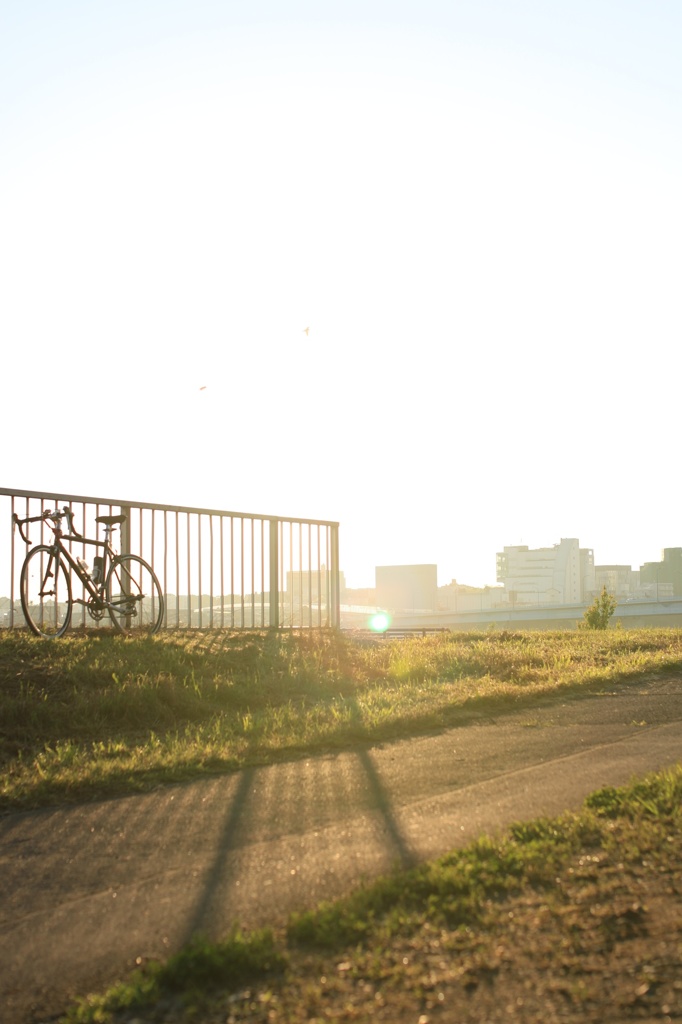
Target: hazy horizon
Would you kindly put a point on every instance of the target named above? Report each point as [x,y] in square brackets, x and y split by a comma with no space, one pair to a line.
[472,207]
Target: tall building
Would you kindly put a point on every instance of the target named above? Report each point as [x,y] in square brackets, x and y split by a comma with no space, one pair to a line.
[562,574]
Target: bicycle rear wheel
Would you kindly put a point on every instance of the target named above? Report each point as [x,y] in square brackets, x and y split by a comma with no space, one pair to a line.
[45,590]
[134,596]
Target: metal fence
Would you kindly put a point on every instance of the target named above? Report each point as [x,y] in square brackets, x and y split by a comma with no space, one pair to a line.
[217,569]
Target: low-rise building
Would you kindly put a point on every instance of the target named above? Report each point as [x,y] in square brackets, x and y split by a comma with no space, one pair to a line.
[460,597]
[663,578]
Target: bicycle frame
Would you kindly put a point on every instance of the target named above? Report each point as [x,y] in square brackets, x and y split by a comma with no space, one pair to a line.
[58,547]
[95,589]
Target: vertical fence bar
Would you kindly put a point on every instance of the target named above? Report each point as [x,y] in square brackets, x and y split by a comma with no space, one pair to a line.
[241,569]
[201,599]
[253,573]
[291,585]
[189,569]
[299,576]
[319,581]
[125,531]
[261,590]
[335,589]
[231,571]
[310,576]
[281,579]
[329,577]
[12,565]
[126,546]
[210,582]
[151,560]
[222,574]
[274,574]
[177,570]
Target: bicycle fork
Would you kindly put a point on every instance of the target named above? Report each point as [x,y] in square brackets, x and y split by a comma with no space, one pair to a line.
[48,574]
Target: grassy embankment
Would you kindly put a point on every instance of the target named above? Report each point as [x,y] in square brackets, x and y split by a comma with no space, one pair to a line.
[86,717]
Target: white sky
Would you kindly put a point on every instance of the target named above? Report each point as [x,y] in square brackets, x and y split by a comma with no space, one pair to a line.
[474,205]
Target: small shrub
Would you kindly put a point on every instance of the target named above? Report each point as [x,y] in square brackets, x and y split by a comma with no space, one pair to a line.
[600,611]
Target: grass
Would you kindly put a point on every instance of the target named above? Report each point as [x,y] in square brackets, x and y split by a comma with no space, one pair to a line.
[201,966]
[541,913]
[530,926]
[91,716]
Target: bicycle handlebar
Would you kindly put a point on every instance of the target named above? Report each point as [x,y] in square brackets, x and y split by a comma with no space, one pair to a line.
[55,516]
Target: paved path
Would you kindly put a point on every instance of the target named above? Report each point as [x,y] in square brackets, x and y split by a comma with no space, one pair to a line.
[84,891]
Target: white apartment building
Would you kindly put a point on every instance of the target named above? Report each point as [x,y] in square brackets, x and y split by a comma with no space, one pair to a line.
[562,574]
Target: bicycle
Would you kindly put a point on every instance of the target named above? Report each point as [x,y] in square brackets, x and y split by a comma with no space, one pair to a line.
[125,586]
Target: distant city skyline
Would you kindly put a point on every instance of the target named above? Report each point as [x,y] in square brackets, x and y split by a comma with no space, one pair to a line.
[670,562]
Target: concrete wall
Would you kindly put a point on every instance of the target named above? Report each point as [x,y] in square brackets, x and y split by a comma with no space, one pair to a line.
[631,615]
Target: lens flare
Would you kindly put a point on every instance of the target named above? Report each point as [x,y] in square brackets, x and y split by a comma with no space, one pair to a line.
[380,622]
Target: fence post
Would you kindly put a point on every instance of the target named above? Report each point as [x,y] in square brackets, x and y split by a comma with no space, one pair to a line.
[336,579]
[274,574]
[125,550]
[125,531]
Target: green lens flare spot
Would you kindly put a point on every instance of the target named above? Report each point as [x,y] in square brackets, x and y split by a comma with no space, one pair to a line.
[380,622]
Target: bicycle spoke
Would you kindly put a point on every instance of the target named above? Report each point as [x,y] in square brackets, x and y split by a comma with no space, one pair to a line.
[134,595]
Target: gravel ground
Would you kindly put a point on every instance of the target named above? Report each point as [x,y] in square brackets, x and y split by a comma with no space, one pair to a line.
[604,945]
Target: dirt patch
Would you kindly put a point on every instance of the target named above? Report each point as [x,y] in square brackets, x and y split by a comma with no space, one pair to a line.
[604,944]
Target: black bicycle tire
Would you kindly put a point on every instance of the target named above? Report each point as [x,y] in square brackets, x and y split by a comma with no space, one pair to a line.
[117,563]
[44,549]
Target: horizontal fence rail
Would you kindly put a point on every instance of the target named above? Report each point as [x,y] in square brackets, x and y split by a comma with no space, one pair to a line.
[217,569]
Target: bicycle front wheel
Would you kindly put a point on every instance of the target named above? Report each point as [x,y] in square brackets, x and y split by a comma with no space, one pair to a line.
[45,591]
[134,596]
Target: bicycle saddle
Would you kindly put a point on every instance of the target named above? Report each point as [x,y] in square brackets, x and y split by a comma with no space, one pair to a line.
[110,520]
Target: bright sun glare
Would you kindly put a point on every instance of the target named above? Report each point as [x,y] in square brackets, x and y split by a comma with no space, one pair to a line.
[476,204]
[380,622]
